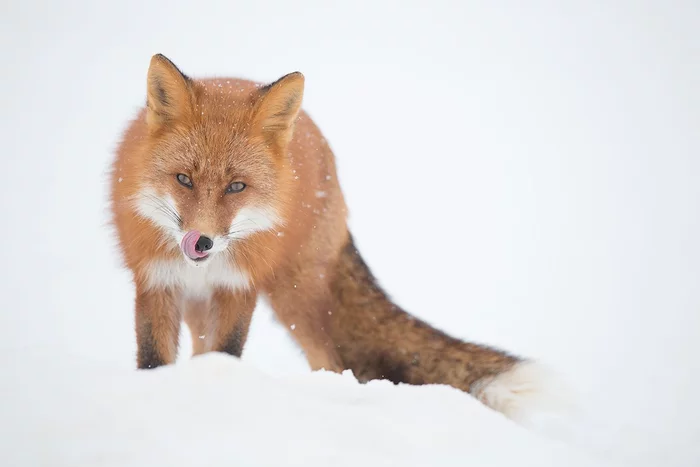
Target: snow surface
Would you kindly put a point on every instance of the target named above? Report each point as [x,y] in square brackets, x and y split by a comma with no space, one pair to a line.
[524,176]
[216,409]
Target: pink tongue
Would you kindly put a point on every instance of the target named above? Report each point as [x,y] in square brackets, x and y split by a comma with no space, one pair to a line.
[188,245]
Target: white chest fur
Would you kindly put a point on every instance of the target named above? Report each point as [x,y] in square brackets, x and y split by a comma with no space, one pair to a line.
[196,281]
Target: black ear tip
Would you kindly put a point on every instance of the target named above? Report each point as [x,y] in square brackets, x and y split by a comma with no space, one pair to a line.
[160,58]
[163,60]
[294,76]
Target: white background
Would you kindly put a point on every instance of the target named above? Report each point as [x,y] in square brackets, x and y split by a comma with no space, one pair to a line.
[524,176]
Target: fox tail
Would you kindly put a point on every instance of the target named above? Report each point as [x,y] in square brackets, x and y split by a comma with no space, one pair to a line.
[376,339]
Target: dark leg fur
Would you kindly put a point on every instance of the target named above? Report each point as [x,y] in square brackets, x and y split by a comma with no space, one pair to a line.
[157,328]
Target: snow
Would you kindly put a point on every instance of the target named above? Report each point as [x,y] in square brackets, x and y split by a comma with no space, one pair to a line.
[520,176]
[217,409]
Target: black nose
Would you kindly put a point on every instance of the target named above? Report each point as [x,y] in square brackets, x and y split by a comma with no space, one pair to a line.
[204,243]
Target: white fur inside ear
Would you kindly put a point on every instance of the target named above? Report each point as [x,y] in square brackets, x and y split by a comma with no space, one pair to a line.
[250,220]
[530,394]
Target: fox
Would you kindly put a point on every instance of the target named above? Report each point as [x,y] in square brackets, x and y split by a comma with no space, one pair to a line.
[224,192]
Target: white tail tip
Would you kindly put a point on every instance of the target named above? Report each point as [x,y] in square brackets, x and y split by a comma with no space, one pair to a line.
[530,394]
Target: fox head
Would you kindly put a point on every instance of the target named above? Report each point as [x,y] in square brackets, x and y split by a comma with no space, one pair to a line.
[215,169]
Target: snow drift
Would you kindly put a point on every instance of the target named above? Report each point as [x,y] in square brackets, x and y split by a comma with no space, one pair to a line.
[216,410]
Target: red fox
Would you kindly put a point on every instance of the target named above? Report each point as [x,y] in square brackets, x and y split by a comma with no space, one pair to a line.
[224,191]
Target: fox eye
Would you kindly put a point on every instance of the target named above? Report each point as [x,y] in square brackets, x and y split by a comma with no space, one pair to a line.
[184,180]
[235,187]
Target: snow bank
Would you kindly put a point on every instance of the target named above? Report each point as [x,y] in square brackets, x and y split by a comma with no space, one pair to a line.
[217,410]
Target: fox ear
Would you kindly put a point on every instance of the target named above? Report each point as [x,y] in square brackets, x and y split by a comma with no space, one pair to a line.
[278,108]
[169,95]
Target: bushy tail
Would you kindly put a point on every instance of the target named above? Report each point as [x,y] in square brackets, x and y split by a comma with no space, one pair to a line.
[378,340]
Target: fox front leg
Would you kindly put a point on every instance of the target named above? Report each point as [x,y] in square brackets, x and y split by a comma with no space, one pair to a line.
[157,327]
[221,323]
[233,312]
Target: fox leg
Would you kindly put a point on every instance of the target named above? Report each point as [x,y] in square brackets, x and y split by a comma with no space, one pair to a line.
[302,305]
[233,312]
[157,319]
[220,323]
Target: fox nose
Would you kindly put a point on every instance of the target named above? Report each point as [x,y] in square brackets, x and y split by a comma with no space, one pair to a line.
[203,244]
